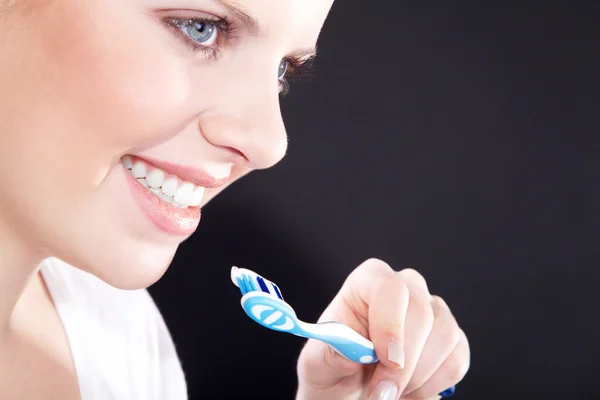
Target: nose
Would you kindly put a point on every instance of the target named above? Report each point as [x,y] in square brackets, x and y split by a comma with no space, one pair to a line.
[247,120]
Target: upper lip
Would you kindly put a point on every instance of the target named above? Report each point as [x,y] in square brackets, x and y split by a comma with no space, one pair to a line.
[187,173]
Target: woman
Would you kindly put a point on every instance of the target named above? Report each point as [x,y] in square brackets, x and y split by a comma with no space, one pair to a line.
[119,120]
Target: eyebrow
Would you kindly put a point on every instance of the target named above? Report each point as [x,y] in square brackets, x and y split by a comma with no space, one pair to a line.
[305,54]
[255,27]
[252,24]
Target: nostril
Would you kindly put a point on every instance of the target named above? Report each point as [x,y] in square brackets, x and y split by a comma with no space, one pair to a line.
[238,153]
[237,156]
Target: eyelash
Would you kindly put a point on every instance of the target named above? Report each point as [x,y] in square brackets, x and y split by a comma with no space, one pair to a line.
[297,68]
[225,31]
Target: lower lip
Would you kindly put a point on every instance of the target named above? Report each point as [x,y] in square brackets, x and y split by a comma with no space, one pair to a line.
[168,218]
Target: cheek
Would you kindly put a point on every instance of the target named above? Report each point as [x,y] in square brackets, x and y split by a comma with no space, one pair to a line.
[81,83]
[98,79]
[87,82]
[119,74]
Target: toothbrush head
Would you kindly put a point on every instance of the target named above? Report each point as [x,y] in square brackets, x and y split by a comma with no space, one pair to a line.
[250,281]
[262,301]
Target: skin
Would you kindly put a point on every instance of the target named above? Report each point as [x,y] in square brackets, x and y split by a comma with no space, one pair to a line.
[84,82]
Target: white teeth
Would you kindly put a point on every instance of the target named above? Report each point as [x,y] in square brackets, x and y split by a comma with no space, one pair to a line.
[184,193]
[127,162]
[172,190]
[156,178]
[166,198]
[197,196]
[179,205]
[143,182]
[157,192]
[169,187]
[139,170]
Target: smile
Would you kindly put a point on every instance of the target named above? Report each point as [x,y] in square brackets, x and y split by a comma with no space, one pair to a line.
[170,188]
[170,195]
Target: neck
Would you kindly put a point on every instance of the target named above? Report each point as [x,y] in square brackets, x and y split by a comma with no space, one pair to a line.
[18,267]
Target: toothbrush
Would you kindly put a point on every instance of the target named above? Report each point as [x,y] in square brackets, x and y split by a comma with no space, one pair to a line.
[262,301]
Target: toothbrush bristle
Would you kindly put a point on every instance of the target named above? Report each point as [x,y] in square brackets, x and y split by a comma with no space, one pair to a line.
[242,284]
[277,291]
[261,283]
[249,281]
[251,284]
[266,285]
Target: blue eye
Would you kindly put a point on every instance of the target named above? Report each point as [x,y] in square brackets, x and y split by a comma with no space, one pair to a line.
[283,67]
[201,32]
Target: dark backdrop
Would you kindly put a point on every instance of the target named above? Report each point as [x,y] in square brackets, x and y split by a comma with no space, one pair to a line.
[459,141]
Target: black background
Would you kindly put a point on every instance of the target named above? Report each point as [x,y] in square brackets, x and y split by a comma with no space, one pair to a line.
[453,139]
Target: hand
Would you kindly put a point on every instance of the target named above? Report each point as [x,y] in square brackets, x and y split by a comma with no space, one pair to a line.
[421,349]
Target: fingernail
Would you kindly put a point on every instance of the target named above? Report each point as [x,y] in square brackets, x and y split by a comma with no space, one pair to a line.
[396,352]
[385,390]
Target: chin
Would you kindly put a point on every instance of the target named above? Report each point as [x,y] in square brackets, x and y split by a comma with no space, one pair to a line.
[127,268]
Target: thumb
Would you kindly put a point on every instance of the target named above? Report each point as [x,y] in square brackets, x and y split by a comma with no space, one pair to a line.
[373,302]
[320,367]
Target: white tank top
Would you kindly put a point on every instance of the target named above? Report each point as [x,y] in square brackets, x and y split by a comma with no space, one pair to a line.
[120,344]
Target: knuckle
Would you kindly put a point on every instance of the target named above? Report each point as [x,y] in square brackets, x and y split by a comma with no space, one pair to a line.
[448,331]
[373,267]
[414,276]
[376,265]
[450,336]
[423,307]
[457,366]
[428,317]
[439,302]
[399,286]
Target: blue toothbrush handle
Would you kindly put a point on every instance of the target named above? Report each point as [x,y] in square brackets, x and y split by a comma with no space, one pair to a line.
[343,339]
[277,315]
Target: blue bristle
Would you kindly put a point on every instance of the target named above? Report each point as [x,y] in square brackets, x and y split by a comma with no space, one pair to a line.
[252,284]
[242,284]
[448,392]
[277,291]
[262,284]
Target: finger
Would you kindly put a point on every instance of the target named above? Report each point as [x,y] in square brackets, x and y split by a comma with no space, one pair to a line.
[418,324]
[319,365]
[322,367]
[442,341]
[388,309]
[375,291]
[450,373]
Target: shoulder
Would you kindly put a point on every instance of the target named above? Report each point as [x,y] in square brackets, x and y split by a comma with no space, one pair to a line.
[121,331]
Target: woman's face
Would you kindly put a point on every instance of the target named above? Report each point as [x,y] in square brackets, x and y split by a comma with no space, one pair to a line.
[119,117]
